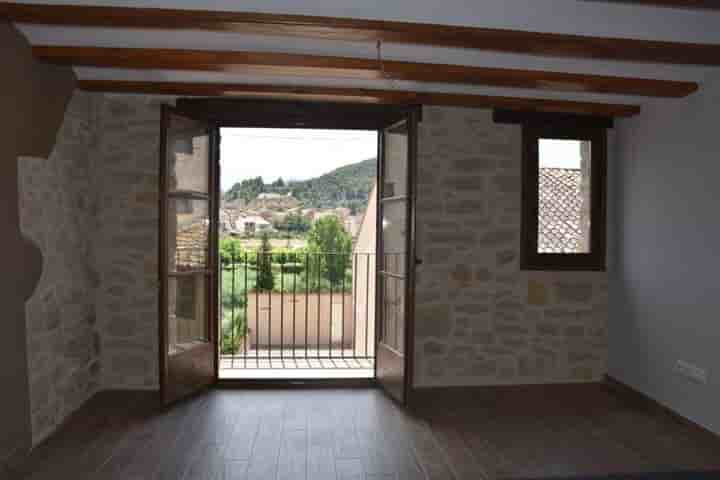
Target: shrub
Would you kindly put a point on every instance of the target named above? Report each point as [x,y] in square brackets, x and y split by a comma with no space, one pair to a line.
[265,278]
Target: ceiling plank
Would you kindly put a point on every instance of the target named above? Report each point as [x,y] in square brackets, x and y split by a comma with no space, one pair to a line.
[358,68]
[359,95]
[333,28]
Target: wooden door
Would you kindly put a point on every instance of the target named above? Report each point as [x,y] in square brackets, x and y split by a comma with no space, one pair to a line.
[188,274]
[396,258]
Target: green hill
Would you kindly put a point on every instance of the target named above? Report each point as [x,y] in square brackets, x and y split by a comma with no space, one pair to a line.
[346,186]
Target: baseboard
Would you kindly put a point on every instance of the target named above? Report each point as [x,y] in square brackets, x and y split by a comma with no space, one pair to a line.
[642,400]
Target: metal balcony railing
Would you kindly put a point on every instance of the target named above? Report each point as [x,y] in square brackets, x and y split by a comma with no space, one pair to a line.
[297,310]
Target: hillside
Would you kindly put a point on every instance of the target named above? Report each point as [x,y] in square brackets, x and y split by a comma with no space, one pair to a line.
[346,186]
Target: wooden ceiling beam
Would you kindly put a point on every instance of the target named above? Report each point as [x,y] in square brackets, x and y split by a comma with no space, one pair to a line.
[332,28]
[359,95]
[357,68]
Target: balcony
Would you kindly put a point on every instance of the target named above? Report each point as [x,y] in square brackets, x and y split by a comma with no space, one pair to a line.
[297,315]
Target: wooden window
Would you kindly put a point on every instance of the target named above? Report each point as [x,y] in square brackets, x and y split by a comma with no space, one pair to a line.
[563,207]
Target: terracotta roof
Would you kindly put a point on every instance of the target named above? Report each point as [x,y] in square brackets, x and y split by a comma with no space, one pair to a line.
[560,209]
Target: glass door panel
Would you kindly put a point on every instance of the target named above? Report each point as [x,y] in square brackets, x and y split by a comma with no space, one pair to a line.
[395,209]
[188,276]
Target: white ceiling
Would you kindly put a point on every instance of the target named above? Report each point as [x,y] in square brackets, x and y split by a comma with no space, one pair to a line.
[561,16]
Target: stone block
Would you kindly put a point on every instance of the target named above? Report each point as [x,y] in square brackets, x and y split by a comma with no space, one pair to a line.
[569,292]
[497,238]
[507,184]
[434,348]
[505,257]
[537,293]
[433,320]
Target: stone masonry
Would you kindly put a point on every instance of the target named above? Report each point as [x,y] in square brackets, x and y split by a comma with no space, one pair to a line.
[127,238]
[57,213]
[479,319]
[92,208]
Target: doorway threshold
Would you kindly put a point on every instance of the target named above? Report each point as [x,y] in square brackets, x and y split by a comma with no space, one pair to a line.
[295,374]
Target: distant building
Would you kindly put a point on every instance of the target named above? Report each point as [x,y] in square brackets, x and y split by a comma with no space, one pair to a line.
[252,224]
[275,201]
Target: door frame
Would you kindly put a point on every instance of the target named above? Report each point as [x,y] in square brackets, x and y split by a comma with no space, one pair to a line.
[252,113]
[412,118]
[212,304]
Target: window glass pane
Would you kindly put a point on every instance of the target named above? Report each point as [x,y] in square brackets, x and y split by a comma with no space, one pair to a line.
[187,155]
[396,157]
[564,196]
[188,230]
[393,312]
[187,322]
[394,224]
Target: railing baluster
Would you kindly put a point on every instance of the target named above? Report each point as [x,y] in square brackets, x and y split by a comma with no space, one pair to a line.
[307,301]
[269,335]
[354,302]
[282,313]
[245,327]
[317,345]
[257,310]
[367,302]
[294,269]
[332,266]
[232,307]
[342,317]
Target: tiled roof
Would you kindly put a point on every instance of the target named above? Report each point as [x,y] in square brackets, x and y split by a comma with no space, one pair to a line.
[560,208]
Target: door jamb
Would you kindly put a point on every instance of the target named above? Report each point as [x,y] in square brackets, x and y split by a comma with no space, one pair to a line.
[320,115]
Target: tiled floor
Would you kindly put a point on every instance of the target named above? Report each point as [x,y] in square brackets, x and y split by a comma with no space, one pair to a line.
[345,434]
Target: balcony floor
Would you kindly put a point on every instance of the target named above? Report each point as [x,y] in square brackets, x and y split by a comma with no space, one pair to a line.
[297,364]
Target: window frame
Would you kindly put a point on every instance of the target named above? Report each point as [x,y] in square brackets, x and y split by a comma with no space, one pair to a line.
[530,259]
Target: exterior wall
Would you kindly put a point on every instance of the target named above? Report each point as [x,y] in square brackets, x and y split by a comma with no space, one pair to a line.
[333,320]
[56,214]
[664,283]
[34,98]
[126,180]
[479,319]
[364,271]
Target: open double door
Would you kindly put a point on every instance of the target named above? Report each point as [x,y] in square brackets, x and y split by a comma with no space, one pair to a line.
[189,209]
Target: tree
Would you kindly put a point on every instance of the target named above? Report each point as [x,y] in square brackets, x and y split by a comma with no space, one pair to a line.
[329,242]
[247,190]
[265,280]
[279,183]
[293,222]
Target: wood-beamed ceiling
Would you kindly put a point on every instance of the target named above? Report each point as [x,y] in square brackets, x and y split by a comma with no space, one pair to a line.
[356,68]
[360,95]
[353,75]
[348,29]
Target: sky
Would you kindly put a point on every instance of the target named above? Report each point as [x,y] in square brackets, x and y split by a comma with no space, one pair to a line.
[299,154]
[559,153]
[293,154]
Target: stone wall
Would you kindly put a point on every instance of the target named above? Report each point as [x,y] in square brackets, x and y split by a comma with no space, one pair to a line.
[479,319]
[92,209]
[57,213]
[126,181]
